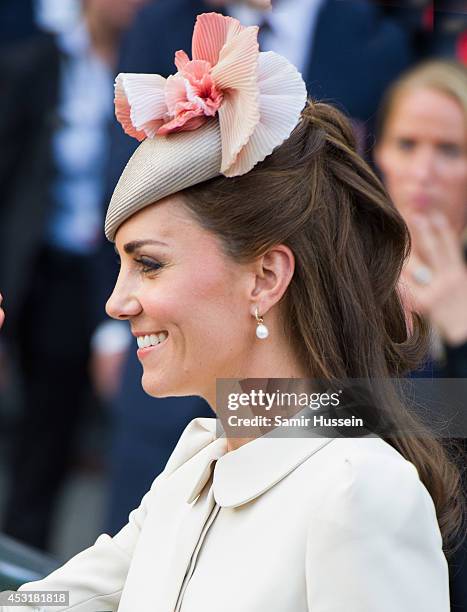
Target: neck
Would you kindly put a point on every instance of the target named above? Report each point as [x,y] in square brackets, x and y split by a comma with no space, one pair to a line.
[267,359]
[104,37]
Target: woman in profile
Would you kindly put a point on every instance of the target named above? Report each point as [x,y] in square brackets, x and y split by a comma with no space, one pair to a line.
[255,244]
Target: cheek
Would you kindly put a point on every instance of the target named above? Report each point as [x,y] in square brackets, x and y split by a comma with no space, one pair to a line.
[162,307]
[455,179]
[394,174]
[220,318]
[202,303]
[392,168]
[454,193]
[216,305]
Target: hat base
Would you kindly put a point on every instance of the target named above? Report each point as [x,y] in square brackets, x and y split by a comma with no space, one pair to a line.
[163,166]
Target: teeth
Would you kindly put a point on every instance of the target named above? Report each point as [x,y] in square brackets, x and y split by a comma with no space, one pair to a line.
[150,340]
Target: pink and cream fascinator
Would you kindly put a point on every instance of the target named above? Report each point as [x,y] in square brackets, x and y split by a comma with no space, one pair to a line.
[224,111]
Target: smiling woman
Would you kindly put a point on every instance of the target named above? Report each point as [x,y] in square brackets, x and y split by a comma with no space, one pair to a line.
[263,213]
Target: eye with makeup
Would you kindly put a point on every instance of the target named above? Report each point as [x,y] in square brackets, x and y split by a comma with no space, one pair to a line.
[148,265]
[145,264]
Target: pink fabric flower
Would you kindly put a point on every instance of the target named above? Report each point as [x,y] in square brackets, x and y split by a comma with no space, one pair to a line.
[220,79]
[191,95]
[256,96]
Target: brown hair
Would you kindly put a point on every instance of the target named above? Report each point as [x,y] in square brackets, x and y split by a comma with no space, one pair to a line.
[342,309]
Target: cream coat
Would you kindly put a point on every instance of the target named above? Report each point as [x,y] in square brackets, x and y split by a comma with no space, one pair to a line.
[278,525]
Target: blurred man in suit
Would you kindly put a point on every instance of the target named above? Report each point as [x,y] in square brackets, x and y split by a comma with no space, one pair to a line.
[436,29]
[16,21]
[55,109]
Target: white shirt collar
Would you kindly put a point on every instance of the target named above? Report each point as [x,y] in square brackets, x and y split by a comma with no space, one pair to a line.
[243,474]
[75,41]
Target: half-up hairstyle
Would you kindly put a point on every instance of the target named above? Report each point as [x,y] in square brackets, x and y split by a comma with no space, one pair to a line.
[342,310]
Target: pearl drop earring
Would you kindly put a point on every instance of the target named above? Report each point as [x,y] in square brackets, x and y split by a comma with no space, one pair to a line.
[262,331]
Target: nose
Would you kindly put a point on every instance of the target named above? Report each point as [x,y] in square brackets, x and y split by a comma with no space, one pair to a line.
[424,166]
[122,304]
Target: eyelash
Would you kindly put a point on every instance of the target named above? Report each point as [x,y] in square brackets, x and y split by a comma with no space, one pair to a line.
[146,265]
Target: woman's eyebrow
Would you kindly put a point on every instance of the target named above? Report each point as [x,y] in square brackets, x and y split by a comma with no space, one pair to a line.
[131,247]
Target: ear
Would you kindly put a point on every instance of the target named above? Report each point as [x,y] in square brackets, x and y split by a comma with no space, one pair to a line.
[273,272]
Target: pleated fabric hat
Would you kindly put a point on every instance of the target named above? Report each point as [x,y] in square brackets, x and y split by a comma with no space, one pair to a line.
[222,112]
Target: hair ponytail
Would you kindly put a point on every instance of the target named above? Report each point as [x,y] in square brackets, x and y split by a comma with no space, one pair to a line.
[342,309]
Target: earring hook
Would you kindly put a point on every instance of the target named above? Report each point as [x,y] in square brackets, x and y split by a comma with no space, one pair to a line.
[258,318]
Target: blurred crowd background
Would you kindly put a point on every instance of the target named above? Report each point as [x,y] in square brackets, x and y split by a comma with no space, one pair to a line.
[80,442]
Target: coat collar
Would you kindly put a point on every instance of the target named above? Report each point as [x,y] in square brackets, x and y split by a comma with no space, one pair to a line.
[241,475]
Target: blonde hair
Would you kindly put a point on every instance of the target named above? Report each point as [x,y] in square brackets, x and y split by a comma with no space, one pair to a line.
[446,76]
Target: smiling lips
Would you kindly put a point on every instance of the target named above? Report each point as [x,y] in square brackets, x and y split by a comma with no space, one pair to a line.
[151,339]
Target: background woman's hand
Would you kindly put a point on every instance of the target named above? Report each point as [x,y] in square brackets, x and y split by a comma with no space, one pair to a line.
[434,280]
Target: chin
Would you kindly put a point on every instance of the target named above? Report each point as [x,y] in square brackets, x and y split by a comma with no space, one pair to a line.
[154,388]
[157,388]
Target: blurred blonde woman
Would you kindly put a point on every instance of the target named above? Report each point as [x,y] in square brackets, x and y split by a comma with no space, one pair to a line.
[422,153]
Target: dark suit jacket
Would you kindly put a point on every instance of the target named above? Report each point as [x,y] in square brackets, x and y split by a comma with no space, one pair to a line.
[29,74]
[17,21]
